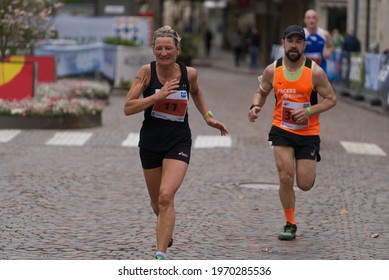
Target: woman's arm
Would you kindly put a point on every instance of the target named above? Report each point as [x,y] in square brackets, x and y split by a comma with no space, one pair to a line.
[134,104]
[199,101]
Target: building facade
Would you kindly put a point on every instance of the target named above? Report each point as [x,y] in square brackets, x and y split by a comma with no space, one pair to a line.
[367,18]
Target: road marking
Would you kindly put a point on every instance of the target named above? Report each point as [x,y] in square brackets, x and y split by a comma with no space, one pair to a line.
[262,186]
[362,148]
[206,141]
[69,138]
[7,135]
[131,140]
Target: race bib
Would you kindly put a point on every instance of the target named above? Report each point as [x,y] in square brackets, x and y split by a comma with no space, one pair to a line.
[288,120]
[173,107]
[316,57]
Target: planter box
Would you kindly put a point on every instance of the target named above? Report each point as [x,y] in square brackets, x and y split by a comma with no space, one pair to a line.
[121,63]
[61,122]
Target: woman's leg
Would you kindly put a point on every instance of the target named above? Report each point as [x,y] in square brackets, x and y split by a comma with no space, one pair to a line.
[173,173]
[153,181]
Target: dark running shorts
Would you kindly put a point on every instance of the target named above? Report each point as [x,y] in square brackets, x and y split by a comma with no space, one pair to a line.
[305,147]
[153,159]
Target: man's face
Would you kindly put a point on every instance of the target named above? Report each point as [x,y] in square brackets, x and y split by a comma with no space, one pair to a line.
[294,47]
[310,19]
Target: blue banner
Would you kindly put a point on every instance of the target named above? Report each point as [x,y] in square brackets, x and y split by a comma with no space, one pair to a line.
[383,76]
[74,59]
[333,66]
[344,68]
[372,69]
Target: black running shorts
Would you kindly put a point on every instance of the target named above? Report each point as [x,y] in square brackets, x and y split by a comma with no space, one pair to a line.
[305,147]
[153,159]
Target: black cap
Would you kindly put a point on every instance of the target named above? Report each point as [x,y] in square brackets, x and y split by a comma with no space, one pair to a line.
[294,30]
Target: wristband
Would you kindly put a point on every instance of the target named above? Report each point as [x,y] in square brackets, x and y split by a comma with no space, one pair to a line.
[310,113]
[208,114]
[254,105]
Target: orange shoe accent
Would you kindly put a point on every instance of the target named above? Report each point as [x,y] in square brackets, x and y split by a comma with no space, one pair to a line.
[289,215]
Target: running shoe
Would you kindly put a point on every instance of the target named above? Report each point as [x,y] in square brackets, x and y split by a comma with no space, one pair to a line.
[289,232]
[159,257]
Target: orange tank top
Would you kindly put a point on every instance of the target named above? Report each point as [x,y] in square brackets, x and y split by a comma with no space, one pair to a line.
[294,90]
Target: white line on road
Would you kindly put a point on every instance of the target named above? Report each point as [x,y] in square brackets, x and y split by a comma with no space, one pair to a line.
[7,135]
[131,140]
[69,138]
[362,148]
[206,141]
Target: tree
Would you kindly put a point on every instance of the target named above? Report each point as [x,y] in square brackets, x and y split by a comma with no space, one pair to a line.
[22,23]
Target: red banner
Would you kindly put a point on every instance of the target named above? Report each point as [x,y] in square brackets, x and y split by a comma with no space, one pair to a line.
[45,66]
[17,80]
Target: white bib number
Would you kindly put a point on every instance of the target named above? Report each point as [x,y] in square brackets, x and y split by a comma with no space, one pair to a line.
[288,120]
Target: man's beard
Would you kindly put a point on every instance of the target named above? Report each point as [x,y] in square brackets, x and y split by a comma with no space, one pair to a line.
[293,58]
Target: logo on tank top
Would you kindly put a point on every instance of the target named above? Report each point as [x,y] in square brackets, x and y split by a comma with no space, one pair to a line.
[286,90]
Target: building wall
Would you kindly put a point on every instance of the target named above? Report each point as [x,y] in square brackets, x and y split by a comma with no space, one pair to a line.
[371,30]
[113,8]
[383,24]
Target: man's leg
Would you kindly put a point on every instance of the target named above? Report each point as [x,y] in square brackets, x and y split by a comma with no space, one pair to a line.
[305,173]
[284,158]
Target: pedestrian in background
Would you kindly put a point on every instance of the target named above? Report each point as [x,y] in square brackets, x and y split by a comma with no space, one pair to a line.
[238,46]
[319,44]
[208,37]
[351,43]
[337,39]
[254,42]
[294,135]
[165,137]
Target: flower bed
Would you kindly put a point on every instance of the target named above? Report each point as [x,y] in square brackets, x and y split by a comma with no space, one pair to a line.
[64,104]
[69,88]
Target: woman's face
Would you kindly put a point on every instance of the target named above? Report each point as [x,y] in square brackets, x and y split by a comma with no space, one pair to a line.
[165,50]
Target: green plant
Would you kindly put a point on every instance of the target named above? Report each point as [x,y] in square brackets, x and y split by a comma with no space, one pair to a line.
[120,41]
[189,46]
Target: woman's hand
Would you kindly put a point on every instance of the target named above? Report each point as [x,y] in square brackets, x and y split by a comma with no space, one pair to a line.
[169,88]
[217,124]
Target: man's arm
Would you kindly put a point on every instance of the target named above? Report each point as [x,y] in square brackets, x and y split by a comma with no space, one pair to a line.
[323,87]
[329,47]
[264,87]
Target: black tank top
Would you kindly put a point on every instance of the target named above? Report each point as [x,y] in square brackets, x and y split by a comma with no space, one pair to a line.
[158,134]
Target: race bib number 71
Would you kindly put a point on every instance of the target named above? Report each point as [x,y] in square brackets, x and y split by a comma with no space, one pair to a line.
[173,107]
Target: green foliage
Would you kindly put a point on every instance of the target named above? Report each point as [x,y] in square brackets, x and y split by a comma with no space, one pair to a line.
[119,41]
[189,47]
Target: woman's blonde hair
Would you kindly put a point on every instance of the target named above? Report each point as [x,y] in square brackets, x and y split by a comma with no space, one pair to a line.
[166,31]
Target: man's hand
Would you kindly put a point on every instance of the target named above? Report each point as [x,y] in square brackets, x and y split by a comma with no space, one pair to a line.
[253,113]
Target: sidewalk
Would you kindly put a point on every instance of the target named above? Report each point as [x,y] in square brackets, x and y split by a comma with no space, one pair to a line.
[224,60]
